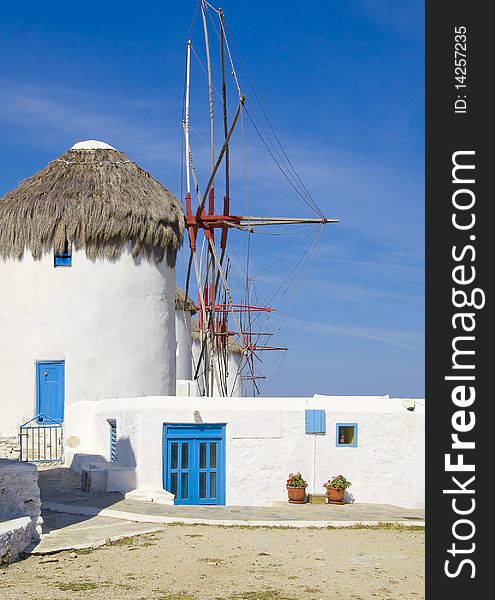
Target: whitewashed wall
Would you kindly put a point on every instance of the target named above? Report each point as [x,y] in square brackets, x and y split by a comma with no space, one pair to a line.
[112,323]
[265,441]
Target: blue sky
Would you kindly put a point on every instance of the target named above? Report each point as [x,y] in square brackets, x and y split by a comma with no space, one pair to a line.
[342,83]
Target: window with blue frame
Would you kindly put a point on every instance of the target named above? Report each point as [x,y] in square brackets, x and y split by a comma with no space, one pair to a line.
[112,423]
[65,258]
[315,421]
[347,434]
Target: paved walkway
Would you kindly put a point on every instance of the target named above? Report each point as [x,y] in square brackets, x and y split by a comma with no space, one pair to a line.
[281,515]
[63,531]
[74,519]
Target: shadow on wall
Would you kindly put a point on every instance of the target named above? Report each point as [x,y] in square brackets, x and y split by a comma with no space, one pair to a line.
[125,454]
[100,475]
[64,483]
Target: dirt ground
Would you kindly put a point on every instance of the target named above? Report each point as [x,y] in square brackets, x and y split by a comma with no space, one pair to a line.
[230,563]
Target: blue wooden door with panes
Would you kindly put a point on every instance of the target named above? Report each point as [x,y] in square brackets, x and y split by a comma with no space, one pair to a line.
[194,459]
[50,390]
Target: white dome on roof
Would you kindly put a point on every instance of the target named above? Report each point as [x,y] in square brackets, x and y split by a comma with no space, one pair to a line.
[92,145]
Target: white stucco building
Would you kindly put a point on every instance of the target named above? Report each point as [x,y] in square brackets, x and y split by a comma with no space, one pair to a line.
[87,280]
[96,339]
[231,361]
[184,309]
[248,446]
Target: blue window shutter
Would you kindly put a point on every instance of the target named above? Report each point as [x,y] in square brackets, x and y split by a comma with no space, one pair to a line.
[315,421]
[63,260]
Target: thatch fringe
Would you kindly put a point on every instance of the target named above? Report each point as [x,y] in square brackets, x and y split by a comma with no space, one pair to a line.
[184,303]
[96,200]
[233,345]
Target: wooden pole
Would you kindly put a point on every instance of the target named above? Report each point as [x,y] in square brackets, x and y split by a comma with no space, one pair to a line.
[260,221]
[210,84]
[224,102]
[186,117]
[220,157]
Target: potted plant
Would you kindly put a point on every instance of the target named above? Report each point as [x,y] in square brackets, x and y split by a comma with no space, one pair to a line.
[336,487]
[296,488]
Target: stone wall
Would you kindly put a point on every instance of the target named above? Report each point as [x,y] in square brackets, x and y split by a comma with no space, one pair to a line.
[9,447]
[20,508]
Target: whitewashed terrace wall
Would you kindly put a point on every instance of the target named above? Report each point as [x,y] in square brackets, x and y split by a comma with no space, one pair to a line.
[112,322]
[266,440]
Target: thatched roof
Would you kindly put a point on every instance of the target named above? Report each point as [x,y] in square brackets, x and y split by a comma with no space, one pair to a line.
[233,345]
[183,303]
[97,200]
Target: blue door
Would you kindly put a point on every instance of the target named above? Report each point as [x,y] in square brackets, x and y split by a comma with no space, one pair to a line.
[50,390]
[194,459]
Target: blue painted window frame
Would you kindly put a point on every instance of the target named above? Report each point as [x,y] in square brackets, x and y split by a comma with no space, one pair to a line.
[62,260]
[337,442]
[112,455]
[315,421]
[38,365]
[200,431]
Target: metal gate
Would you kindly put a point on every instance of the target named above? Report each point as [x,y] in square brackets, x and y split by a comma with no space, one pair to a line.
[41,440]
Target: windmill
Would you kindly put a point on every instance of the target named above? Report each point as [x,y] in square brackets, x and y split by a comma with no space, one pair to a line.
[215,299]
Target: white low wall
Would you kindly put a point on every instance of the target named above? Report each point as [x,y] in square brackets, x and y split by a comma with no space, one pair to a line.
[15,536]
[265,441]
[20,508]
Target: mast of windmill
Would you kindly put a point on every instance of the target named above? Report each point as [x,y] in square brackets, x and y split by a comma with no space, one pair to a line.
[213,315]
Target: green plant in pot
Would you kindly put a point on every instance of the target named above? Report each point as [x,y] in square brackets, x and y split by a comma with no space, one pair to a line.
[296,488]
[336,487]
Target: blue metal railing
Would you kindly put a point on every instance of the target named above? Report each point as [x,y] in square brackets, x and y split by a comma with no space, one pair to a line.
[41,440]
[113,439]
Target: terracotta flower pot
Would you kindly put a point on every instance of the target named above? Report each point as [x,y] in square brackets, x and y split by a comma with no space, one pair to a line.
[335,495]
[297,495]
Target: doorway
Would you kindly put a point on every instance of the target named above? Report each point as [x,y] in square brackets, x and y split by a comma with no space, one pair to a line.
[194,463]
[50,395]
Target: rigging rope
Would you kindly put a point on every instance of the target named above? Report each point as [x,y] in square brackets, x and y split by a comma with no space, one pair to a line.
[289,162]
[280,164]
[283,168]
[284,173]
